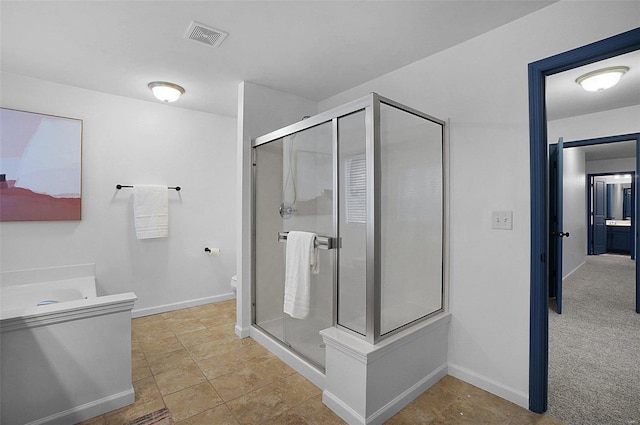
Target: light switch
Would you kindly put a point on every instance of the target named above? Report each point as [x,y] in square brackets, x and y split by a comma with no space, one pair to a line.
[502,220]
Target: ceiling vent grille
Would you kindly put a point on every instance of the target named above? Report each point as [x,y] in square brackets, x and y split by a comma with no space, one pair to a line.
[204,34]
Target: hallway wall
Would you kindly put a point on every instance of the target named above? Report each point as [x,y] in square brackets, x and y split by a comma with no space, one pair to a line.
[574,248]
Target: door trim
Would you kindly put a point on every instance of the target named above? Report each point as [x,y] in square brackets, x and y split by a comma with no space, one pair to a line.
[539,321]
[590,208]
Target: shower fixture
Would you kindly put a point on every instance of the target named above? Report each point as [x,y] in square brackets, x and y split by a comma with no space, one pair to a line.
[286,210]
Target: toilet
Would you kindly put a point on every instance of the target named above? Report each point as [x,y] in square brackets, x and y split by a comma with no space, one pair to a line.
[234,283]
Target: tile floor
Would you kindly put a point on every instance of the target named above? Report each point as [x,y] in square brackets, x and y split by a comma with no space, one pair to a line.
[191,362]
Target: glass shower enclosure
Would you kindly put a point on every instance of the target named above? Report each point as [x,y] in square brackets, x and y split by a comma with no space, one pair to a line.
[368,179]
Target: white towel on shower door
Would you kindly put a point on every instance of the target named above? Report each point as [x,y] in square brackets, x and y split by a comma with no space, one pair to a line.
[151,211]
[301,260]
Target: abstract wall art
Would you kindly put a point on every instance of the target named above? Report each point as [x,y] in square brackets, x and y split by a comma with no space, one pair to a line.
[40,167]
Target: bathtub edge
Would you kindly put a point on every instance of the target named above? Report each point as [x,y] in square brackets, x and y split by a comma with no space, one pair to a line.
[73,310]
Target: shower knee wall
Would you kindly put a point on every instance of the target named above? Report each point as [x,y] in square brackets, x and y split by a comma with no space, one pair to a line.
[368,384]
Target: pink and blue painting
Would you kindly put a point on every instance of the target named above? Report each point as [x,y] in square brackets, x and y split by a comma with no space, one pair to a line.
[40,167]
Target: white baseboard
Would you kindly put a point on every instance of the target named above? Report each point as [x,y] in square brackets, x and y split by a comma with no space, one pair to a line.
[89,410]
[243,332]
[386,412]
[508,393]
[148,311]
[341,409]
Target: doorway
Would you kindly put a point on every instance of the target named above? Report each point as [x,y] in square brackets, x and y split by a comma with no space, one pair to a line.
[539,321]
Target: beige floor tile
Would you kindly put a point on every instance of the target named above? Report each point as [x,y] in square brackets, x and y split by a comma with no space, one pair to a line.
[178,315]
[146,336]
[189,339]
[257,387]
[213,348]
[271,369]
[220,415]
[186,326]
[464,412]
[294,389]
[172,360]
[233,385]
[192,401]
[216,366]
[125,414]
[314,412]
[288,418]
[153,320]
[223,333]
[207,310]
[218,319]
[140,369]
[253,352]
[258,406]
[410,415]
[146,390]
[160,346]
[454,385]
[178,379]
[527,417]
[432,402]
[491,402]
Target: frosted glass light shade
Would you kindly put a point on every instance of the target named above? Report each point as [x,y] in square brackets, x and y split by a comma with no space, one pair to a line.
[602,79]
[166,92]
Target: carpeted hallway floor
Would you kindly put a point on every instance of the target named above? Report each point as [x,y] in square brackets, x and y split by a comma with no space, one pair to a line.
[594,346]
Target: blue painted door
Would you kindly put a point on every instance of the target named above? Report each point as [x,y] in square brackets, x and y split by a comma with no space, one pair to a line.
[555,241]
[599,217]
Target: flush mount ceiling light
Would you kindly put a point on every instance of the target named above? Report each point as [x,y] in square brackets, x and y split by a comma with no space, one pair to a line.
[602,79]
[166,92]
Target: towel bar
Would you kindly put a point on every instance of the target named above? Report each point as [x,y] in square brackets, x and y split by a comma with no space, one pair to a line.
[322,242]
[120,186]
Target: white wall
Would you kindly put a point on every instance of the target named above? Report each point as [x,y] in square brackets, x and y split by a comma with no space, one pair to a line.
[481,85]
[610,165]
[130,141]
[260,111]
[600,124]
[574,248]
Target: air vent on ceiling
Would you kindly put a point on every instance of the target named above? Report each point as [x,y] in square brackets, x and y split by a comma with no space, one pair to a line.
[204,34]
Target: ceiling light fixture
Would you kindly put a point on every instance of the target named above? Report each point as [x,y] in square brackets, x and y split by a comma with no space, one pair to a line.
[602,79]
[166,92]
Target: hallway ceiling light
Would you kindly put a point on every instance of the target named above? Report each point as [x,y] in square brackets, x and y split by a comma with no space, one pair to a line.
[166,92]
[602,79]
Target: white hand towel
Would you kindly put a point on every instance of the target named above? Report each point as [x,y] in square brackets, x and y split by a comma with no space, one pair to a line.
[151,211]
[301,261]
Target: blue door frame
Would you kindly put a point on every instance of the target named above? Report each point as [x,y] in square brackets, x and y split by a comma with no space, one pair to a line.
[539,320]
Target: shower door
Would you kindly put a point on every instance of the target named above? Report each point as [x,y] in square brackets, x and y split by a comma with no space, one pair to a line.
[293,190]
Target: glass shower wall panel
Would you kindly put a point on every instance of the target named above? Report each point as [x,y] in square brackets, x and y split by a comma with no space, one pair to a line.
[269,253]
[308,180]
[411,222]
[293,190]
[352,215]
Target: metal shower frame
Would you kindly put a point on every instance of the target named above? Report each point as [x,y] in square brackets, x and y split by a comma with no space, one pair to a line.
[371,105]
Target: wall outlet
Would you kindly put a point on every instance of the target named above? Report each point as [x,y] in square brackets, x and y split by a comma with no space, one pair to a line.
[502,220]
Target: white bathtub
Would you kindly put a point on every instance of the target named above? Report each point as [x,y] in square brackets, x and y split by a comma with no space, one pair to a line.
[64,362]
